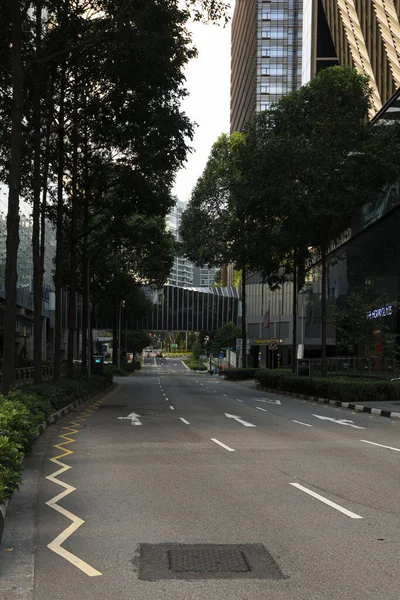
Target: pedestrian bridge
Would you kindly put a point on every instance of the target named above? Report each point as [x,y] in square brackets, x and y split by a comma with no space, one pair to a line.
[191,309]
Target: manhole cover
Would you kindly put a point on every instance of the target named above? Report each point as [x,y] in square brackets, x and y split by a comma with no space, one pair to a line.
[206,561]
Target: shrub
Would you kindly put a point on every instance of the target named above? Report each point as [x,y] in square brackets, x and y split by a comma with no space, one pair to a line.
[333,388]
[239,373]
[111,370]
[22,410]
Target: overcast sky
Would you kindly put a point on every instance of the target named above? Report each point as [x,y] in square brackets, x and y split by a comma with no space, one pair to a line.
[208,81]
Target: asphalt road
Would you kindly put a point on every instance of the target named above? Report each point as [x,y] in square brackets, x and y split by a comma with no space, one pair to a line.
[176,457]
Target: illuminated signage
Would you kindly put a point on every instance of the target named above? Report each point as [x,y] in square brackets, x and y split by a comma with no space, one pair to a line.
[380,312]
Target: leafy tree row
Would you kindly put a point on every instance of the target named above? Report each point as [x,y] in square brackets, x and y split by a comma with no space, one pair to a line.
[275,196]
[91,132]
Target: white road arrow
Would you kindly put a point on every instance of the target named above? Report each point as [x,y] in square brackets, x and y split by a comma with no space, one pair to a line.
[134,419]
[268,400]
[346,422]
[239,420]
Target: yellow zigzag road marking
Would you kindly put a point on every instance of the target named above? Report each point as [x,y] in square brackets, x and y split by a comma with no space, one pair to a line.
[55,545]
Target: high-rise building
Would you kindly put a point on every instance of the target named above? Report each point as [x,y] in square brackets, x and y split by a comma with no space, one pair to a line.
[266,55]
[184,273]
[365,34]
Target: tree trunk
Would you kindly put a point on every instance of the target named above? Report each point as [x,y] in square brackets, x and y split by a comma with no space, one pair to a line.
[244,332]
[43,207]
[37,279]
[74,226]
[323,312]
[294,318]
[85,257]
[58,279]
[12,243]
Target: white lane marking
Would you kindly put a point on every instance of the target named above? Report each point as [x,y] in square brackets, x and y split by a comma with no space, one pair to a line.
[238,400]
[207,388]
[226,395]
[381,445]
[239,420]
[184,421]
[326,501]
[301,423]
[346,422]
[171,407]
[166,399]
[134,419]
[263,409]
[164,394]
[269,401]
[155,362]
[223,445]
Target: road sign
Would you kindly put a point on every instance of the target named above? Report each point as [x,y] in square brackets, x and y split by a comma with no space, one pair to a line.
[174,345]
[273,345]
[221,355]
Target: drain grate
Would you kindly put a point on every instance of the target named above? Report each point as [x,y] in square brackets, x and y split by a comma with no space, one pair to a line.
[206,561]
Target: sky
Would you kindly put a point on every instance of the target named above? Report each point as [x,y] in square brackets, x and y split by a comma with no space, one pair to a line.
[208,84]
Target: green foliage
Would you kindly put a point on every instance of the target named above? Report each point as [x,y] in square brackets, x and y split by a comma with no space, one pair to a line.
[355,390]
[196,365]
[113,370]
[196,350]
[21,411]
[238,374]
[226,335]
[137,341]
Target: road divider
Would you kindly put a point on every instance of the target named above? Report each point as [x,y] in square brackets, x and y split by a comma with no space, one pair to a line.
[326,501]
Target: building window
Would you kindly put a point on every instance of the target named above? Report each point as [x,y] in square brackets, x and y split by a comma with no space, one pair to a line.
[266,16]
[264,51]
[264,88]
[265,34]
[264,105]
[264,70]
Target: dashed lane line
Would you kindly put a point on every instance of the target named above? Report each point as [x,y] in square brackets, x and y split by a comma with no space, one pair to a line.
[184,421]
[381,445]
[326,501]
[301,423]
[222,445]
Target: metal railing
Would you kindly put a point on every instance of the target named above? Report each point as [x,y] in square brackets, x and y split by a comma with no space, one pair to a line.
[26,374]
[382,368]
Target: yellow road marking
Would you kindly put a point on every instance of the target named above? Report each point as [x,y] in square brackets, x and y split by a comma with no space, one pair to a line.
[55,545]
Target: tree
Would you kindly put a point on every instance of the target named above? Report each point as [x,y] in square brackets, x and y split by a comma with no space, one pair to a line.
[217,227]
[196,350]
[226,335]
[335,160]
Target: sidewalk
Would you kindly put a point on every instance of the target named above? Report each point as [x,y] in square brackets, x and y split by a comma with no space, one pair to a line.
[389,409]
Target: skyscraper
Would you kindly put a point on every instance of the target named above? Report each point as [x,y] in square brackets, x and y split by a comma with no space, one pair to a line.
[366,34]
[266,55]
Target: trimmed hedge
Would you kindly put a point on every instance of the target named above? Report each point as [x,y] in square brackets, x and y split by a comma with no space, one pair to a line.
[195,365]
[333,388]
[21,412]
[239,373]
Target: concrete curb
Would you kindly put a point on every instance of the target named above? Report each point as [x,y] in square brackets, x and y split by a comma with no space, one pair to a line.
[51,419]
[358,407]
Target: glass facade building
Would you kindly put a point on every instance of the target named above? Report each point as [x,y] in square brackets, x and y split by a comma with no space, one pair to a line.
[266,55]
[367,257]
[191,309]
